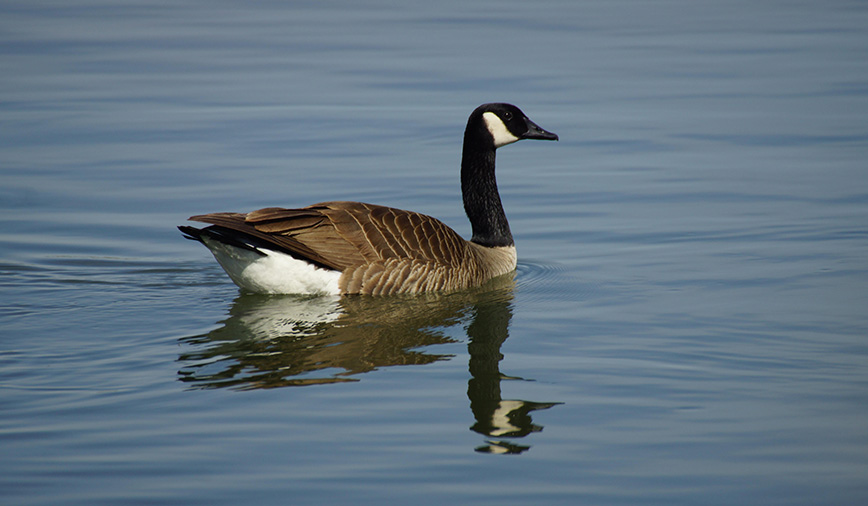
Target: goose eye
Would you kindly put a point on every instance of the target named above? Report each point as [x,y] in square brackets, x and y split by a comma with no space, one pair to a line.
[507,115]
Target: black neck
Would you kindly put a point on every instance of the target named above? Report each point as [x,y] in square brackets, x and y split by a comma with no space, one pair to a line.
[479,189]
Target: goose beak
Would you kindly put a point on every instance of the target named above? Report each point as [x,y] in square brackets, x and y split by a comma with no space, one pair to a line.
[535,132]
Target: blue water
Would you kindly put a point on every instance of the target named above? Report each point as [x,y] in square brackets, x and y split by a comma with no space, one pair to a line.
[688,323]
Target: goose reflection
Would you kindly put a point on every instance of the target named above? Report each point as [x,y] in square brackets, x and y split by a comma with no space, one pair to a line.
[277,341]
[495,416]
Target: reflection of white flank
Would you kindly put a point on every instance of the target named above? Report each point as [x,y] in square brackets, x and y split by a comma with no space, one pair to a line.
[287,315]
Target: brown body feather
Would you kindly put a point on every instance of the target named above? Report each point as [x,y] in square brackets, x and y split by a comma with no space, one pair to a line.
[378,250]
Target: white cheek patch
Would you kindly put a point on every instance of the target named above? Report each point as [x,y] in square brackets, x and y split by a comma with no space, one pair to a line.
[502,136]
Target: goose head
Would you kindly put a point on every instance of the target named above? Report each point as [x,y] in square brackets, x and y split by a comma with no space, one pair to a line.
[500,124]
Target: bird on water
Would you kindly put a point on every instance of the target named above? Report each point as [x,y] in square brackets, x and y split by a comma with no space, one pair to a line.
[356,248]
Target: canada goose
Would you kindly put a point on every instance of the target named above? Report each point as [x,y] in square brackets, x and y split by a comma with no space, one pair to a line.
[352,247]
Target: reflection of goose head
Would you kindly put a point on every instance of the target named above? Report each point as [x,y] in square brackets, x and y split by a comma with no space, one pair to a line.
[508,418]
[495,416]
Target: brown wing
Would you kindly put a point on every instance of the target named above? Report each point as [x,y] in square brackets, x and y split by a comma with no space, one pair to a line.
[345,234]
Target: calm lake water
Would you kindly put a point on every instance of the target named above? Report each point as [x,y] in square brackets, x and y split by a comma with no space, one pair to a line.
[688,323]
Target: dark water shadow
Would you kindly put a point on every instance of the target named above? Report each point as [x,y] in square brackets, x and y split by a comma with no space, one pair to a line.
[280,341]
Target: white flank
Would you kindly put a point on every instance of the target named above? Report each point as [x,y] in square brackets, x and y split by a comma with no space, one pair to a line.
[502,136]
[273,273]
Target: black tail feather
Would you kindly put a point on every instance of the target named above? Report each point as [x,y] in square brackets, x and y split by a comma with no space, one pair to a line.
[221,234]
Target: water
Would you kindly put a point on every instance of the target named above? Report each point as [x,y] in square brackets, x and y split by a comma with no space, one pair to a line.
[688,320]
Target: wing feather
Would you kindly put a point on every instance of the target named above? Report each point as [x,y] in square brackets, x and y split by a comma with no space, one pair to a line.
[340,235]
